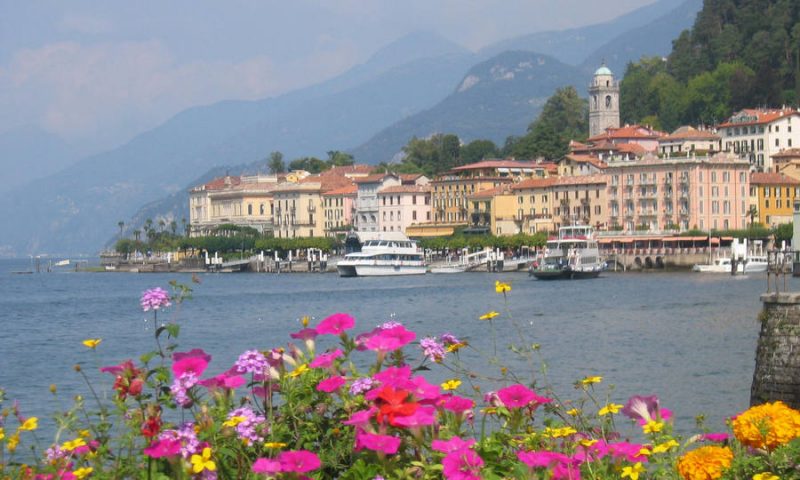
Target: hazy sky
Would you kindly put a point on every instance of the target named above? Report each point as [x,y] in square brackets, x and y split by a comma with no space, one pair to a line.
[98,72]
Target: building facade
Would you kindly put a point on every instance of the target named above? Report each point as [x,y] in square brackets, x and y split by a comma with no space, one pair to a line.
[338,209]
[655,194]
[758,134]
[245,201]
[687,140]
[403,205]
[774,195]
[298,210]
[603,101]
[367,214]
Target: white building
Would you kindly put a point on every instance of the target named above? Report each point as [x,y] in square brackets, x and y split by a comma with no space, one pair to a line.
[758,134]
[403,205]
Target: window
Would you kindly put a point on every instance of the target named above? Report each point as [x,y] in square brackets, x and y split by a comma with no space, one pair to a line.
[413,215]
[766,192]
[766,203]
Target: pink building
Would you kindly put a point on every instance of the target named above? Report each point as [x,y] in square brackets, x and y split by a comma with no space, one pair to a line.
[403,205]
[657,194]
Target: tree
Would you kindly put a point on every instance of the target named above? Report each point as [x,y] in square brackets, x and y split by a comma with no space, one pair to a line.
[340,159]
[136,234]
[477,150]
[121,225]
[275,163]
[309,164]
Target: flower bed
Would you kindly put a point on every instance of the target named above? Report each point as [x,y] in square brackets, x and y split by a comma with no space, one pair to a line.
[306,410]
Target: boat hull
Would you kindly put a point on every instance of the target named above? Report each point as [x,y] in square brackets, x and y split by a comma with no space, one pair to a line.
[565,274]
[379,270]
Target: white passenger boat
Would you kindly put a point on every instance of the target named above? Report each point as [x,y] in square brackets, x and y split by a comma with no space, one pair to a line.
[746,260]
[382,254]
[572,255]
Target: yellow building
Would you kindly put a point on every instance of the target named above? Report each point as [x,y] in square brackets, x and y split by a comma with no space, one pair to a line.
[450,190]
[298,210]
[242,201]
[775,194]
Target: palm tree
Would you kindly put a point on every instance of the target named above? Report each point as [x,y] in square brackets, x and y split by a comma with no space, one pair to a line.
[136,234]
[173,227]
[752,213]
[183,223]
[120,224]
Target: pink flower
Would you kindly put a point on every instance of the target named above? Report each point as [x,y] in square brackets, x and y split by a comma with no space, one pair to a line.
[641,408]
[336,324]
[422,416]
[331,384]
[379,443]
[457,404]
[462,464]
[223,380]
[562,466]
[166,447]
[361,417]
[452,445]
[390,339]
[305,334]
[628,451]
[264,392]
[424,391]
[714,437]
[518,396]
[194,361]
[267,466]
[154,298]
[299,461]
[398,377]
[326,359]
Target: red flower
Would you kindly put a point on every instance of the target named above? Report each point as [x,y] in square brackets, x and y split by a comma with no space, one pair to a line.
[391,404]
[151,427]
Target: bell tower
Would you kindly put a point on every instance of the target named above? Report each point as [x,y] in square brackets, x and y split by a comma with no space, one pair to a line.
[603,101]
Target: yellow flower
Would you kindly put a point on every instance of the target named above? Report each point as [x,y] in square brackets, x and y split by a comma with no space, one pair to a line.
[233,421]
[633,471]
[767,426]
[73,444]
[203,462]
[610,408]
[83,472]
[92,342]
[559,432]
[454,347]
[84,433]
[705,463]
[501,287]
[30,424]
[274,444]
[652,426]
[488,316]
[766,476]
[585,442]
[591,380]
[451,384]
[573,412]
[299,371]
[2,433]
[13,441]
[665,447]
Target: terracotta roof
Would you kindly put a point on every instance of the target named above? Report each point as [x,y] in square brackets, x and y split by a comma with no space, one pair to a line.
[752,116]
[637,132]
[534,183]
[787,154]
[496,164]
[574,145]
[222,182]
[373,178]
[690,133]
[346,190]
[633,148]
[772,178]
[410,177]
[490,193]
[590,159]
[406,189]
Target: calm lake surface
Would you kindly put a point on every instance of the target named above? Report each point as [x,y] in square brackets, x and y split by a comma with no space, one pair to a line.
[689,338]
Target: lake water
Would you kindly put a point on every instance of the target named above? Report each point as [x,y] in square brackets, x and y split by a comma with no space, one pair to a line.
[690,338]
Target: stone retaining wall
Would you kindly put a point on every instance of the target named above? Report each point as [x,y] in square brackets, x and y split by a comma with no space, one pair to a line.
[777,371]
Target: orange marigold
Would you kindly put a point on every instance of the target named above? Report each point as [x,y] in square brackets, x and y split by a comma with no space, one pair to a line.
[705,463]
[767,426]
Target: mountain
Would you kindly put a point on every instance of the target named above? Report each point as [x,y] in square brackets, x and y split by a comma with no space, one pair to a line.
[496,98]
[29,153]
[574,45]
[77,209]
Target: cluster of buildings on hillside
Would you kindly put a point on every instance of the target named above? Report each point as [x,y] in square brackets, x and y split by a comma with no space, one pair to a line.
[622,178]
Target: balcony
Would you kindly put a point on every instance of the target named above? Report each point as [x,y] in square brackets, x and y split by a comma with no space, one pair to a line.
[564,201]
[312,209]
[668,193]
[628,213]
[649,193]
[684,212]
[668,181]
[584,201]
[684,179]
[648,181]
[684,193]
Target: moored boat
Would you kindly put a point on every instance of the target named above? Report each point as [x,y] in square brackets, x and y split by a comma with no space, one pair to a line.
[382,254]
[572,255]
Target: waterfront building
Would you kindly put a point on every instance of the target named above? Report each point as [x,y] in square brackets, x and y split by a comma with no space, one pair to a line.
[339,207]
[245,201]
[577,164]
[603,101]
[656,194]
[685,140]
[774,195]
[547,204]
[366,214]
[759,134]
[403,205]
[787,162]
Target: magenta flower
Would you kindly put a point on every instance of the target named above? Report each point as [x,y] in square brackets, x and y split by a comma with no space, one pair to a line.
[457,404]
[453,445]
[223,380]
[154,298]
[390,339]
[518,396]
[398,377]
[299,461]
[336,324]
[305,334]
[326,359]
[331,384]
[462,464]
[379,443]
[267,466]
[421,417]
[714,437]
[266,392]
[166,447]
[194,361]
[542,458]
[361,417]
[629,451]
[424,391]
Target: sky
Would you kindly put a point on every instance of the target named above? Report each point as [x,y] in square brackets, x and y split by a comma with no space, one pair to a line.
[96,73]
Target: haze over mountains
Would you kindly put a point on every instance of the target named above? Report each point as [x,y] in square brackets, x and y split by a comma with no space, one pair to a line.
[419,85]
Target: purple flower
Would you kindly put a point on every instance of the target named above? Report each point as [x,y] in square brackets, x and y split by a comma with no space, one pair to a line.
[641,408]
[180,388]
[252,428]
[189,444]
[449,339]
[432,349]
[251,361]
[361,385]
[154,299]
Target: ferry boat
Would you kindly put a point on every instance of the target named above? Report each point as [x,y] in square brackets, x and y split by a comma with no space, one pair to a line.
[382,254]
[746,260]
[572,255]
